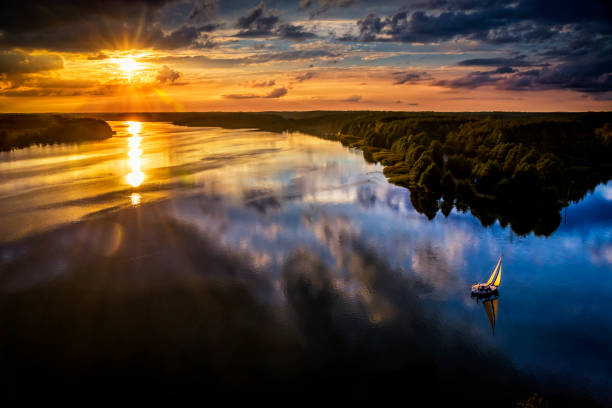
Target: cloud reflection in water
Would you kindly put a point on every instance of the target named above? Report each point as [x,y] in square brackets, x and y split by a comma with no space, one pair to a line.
[288,260]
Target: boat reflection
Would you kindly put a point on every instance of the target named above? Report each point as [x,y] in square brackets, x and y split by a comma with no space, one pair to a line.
[136,177]
[490,305]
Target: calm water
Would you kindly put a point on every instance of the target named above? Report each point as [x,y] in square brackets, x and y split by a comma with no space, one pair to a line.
[246,259]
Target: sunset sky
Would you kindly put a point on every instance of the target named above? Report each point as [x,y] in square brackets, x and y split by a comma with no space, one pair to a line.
[237,55]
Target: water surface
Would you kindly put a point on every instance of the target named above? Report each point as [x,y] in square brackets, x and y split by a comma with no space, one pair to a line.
[172,245]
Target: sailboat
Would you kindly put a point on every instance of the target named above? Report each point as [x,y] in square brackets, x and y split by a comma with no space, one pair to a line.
[490,287]
[490,306]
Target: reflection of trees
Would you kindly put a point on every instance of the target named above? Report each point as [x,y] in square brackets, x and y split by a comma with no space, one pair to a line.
[518,169]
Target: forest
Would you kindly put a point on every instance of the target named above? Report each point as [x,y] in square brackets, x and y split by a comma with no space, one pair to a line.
[520,169]
[23,130]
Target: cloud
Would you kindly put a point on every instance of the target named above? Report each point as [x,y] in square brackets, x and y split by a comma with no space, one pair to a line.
[470,81]
[409,77]
[324,5]
[98,56]
[181,37]
[86,26]
[276,93]
[40,86]
[304,77]
[294,32]
[260,58]
[241,96]
[294,55]
[167,75]
[17,62]
[591,74]
[204,11]
[493,62]
[258,23]
[352,98]
[263,84]
[488,21]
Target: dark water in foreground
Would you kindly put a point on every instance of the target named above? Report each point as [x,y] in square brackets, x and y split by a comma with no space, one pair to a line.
[199,258]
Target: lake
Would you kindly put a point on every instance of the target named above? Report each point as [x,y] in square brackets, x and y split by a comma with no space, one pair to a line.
[267,262]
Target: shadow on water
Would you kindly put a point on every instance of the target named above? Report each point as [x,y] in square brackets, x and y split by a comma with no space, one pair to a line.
[136,301]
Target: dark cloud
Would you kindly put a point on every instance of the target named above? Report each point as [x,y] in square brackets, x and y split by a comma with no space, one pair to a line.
[293,55]
[204,11]
[259,23]
[504,70]
[409,77]
[276,93]
[470,81]
[167,75]
[352,98]
[591,74]
[205,42]
[185,35]
[519,61]
[305,76]
[498,22]
[241,96]
[294,32]
[256,23]
[40,86]
[421,27]
[65,25]
[17,62]
[324,5]
[264,84]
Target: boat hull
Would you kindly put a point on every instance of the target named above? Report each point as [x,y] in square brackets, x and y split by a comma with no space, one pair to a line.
[482,291]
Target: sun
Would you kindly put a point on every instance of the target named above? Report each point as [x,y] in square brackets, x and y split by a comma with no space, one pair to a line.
[128,66]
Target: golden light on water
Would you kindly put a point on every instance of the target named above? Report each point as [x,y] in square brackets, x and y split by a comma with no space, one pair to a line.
[136,177]
[135,198]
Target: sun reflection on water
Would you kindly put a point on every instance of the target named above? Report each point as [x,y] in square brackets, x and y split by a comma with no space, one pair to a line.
[135,198]
[136,177]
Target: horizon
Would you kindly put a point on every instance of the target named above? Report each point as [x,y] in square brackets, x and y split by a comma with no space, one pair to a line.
[293,111]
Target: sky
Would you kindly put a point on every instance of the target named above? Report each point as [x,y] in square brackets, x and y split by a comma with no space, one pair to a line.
[245,55]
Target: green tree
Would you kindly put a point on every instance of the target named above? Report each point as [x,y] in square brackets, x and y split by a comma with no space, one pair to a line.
[420,166]
[437,152]
[430,178]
